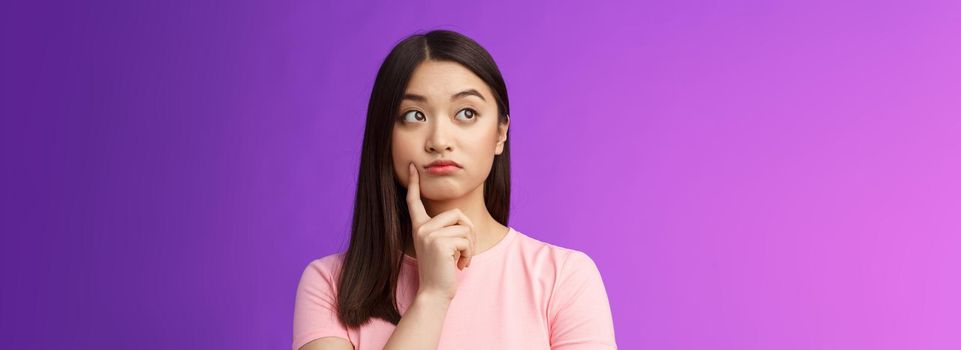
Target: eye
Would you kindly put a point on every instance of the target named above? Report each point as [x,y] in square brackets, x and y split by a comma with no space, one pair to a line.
[416,113]
[471,113]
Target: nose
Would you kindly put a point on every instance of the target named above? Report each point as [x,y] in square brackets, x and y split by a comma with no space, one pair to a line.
[439,138]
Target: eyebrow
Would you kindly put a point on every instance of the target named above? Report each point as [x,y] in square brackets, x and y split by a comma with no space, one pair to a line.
[468,92]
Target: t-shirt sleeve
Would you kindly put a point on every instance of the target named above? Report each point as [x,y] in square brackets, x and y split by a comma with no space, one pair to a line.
[579,309]
[315,314]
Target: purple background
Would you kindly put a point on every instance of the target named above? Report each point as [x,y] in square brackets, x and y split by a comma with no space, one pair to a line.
[746,175]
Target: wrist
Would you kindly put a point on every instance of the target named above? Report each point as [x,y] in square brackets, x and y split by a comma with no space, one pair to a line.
[433,298]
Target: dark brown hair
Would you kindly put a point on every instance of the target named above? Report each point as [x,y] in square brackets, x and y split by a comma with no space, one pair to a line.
[381,227]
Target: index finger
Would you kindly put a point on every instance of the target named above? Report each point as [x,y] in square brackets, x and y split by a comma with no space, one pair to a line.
[418,214]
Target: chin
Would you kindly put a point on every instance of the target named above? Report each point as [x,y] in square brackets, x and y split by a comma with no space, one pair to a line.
[441,194]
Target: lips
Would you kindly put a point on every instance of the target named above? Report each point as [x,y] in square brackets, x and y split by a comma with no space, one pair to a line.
[442,163]
[442,167]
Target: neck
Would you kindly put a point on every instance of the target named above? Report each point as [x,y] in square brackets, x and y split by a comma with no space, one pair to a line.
[488,231]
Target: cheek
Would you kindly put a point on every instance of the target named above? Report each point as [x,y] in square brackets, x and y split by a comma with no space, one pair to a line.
[481,152]
[400,158]
[400,144]
[486,142]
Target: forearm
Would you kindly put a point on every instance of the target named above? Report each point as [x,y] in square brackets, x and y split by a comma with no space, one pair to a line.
[421,325]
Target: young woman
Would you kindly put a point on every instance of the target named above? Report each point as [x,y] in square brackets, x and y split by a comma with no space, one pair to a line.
[431,262]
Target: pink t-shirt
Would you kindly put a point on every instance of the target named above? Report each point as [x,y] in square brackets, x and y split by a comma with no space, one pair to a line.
[520,294]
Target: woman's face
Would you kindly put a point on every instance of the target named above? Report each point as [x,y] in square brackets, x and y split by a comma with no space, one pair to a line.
[447,113]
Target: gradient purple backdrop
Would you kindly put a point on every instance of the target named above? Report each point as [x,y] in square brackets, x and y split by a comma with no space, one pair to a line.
[746,175]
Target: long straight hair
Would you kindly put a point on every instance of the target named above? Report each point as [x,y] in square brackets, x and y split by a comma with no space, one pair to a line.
[381,227]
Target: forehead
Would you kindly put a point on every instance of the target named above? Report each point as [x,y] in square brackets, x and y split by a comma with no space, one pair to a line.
[438,80]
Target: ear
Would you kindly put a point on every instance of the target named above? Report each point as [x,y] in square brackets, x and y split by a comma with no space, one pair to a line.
[502,135]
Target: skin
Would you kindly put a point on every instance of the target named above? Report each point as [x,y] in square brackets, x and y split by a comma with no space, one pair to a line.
[449,218]
[442,129]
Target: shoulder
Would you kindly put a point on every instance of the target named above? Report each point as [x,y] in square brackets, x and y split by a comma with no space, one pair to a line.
[325,270]
[561,264]
[315,310]
[562,259]
[571,279]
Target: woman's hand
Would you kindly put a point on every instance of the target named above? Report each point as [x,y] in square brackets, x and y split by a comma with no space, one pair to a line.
[441,243]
